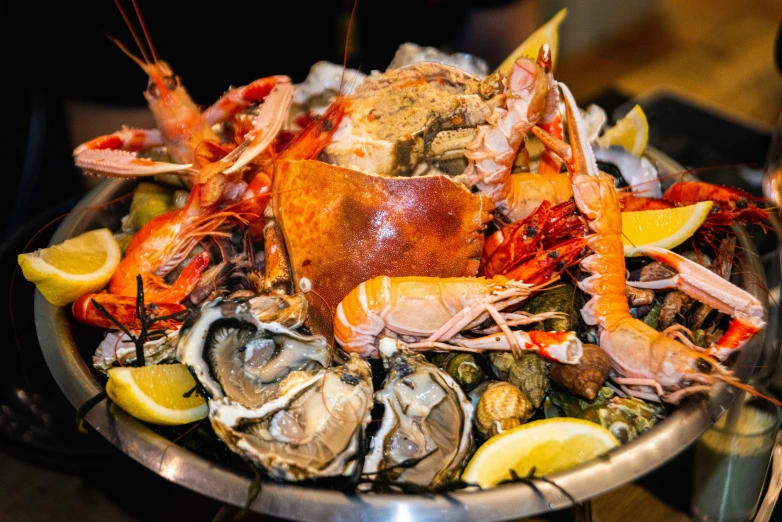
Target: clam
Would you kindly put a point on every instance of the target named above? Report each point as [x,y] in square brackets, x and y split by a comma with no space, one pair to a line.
[426,415]
[233,354]
[312,428]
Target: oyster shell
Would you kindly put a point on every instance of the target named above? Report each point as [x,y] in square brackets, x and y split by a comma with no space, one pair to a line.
[425,412]
[410,53]
[310,430]
[117,347]
[233,354]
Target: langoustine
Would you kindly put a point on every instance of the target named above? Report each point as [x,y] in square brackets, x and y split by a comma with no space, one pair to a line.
[648,364]
[430,312]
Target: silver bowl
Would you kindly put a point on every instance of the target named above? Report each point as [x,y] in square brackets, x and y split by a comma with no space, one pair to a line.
[177,464]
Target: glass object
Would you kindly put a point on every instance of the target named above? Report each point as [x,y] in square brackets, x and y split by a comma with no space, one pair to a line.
[772,191]
[772,172]
[731,461]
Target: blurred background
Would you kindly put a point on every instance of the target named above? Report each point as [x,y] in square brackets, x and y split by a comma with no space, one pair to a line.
[703,70]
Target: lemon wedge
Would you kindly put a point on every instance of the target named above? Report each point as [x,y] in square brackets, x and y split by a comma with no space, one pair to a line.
[549,446]
[665,228]
[78,266]
[631,132]
[160,394]
[546,33]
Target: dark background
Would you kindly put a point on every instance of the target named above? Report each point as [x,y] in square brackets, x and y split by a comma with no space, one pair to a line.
[58,53]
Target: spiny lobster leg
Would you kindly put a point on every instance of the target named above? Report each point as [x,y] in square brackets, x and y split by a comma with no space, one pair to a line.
[551,118]
[121,164]
[130,140]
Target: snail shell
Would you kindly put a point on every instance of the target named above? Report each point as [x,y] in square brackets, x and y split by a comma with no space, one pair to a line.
[502,406]
[462,367]
[529,373]
[585,378]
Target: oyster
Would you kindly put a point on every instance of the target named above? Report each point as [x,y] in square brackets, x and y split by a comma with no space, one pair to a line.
[426,413]
[310,430]
[233,354]
[118,347]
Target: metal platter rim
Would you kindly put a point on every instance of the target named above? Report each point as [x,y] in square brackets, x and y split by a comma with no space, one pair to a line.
[627,463]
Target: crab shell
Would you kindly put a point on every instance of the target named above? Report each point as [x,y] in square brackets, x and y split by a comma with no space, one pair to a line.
[343,227]
[426,411]
[413,121]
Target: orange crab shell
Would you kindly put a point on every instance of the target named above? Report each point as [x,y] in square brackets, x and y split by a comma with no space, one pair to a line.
[343,227]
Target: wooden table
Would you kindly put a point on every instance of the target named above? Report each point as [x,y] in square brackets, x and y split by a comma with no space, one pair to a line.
[719,52]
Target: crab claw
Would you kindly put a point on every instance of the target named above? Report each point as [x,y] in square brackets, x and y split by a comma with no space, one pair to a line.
[708,287]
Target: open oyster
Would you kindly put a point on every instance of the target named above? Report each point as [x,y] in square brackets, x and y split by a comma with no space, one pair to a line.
[233,354]
[425,412]
[310,430]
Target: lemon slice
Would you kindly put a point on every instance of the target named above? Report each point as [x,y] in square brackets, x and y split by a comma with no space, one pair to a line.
[549,446]
[546,33]
[631,132]
[665,228]
[76,267]
[160,394]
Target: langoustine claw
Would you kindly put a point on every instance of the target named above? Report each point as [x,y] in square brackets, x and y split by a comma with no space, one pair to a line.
[708,287]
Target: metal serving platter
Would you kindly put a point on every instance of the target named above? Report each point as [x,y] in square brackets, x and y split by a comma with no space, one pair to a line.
[188,469]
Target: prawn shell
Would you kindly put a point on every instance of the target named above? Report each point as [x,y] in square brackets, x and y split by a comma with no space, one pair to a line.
[343,227]
[502,406]
[585,378]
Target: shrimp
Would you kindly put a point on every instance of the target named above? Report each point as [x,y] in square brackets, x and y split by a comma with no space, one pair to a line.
[182,128]
[436,310]
[513,250]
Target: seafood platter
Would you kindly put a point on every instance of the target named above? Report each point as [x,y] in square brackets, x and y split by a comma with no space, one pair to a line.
[430,292]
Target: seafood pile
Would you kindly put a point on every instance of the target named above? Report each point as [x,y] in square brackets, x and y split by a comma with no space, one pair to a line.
[398,244]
